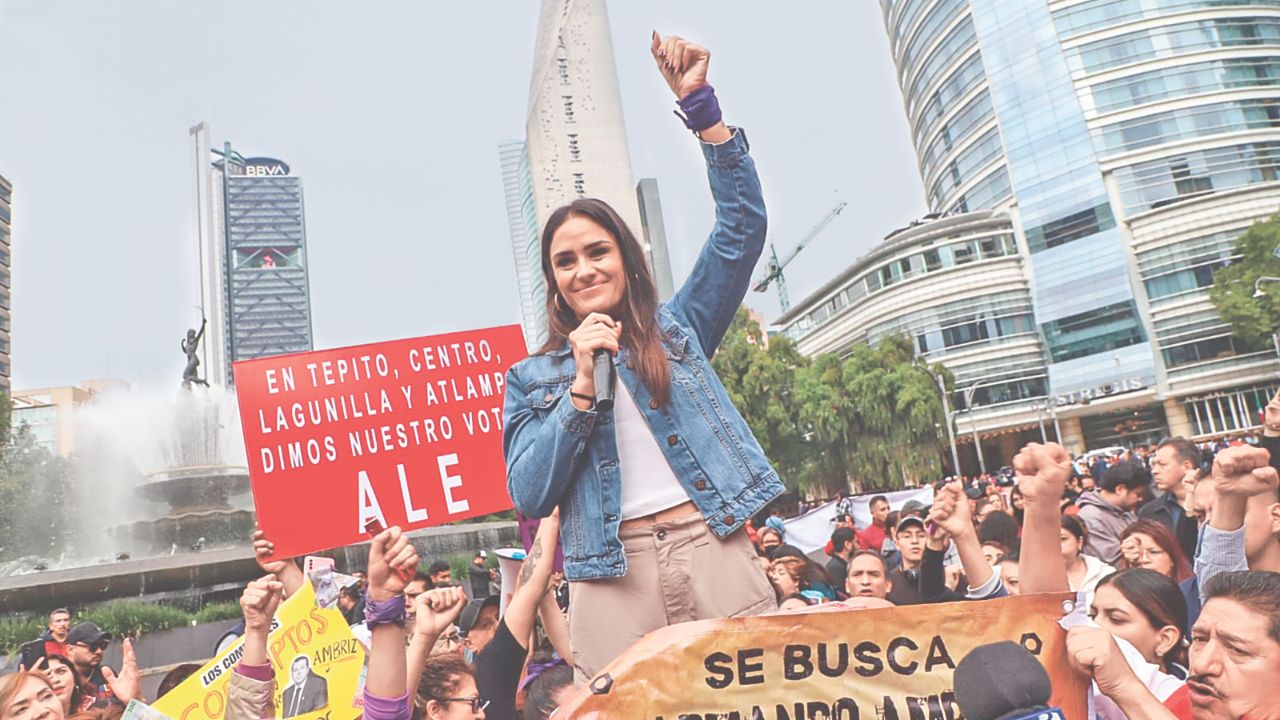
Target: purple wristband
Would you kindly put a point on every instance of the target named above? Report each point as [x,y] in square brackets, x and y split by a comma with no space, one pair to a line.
[700,109]
[383,612]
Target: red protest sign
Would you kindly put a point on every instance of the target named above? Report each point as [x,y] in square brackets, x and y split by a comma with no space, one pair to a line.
[407,432]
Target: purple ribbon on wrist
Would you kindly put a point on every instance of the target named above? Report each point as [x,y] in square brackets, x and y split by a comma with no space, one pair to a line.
[383,612]
[536,669]
[700,109]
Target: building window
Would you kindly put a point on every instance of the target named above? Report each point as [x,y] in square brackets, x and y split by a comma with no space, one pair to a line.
[1096,331]
[1071,227]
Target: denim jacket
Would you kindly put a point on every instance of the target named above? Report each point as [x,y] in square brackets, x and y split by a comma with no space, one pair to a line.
[558,455]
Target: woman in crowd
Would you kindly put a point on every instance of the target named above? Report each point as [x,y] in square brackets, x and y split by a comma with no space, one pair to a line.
[1150,544]
[654,487]
[1016,504]
[447,690]
[1084,572]
[769,539]
[789,576]
[1147,609]
[546,686]
[29,694]
[66,683]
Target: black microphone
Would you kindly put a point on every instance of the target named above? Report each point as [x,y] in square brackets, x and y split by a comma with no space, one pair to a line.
[1002,680]
[603,375]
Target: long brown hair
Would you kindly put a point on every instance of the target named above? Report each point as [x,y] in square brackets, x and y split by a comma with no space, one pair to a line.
[1164,538]
[639,313]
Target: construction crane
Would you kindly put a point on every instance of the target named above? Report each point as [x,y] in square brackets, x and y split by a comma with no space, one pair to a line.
[773,272]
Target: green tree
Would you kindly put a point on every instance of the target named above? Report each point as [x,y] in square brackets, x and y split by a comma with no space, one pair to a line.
[760,381]
[879,416]
[36,513]
[1252,320]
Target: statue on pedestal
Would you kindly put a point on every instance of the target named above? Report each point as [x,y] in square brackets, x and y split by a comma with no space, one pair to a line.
[190,344]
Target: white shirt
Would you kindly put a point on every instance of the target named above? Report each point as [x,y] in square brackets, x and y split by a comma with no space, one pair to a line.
[648,485]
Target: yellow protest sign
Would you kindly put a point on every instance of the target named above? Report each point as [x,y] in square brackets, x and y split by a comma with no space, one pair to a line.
[317,662]
[888,664]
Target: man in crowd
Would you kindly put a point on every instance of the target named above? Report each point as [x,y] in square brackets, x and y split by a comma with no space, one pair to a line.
[873,536]
[53,641]
[1234,655]
[1109,510]
[1243,531]
[910,537]
[842,543]
[85,644]
[351,603]
[868,576]
[478,575]
[1173,460]
[418,585]
[441,575]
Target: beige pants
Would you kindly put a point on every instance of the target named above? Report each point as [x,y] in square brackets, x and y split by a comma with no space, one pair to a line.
[677,571]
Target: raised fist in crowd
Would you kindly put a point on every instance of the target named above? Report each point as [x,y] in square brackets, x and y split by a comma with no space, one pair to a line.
[259,602]
[392,560]
[950,510]
[682,63]
[1042,472]
[1244,471]
[437,609]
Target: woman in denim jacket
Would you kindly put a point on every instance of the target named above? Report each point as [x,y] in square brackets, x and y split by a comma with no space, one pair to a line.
[652,493]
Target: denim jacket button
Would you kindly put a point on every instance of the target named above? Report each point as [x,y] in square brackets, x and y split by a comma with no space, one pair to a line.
[728,519]
[631,365]
[672,439]
[700,485]
[662,534]
[653,403]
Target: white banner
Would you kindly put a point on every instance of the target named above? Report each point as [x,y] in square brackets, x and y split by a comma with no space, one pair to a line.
[812,530]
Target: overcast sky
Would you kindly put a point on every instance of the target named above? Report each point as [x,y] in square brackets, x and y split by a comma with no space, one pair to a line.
[391,113]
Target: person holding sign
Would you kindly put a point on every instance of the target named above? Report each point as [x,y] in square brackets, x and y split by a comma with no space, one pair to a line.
[655,482]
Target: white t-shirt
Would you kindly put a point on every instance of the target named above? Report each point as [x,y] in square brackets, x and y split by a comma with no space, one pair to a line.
[648,485]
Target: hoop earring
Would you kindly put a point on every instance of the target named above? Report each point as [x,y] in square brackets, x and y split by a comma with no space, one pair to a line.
[561,306]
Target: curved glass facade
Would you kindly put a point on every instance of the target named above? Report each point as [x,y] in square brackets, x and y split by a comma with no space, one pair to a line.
[1131,142]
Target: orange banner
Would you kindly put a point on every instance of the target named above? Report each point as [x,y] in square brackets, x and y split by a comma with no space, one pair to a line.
[882,664]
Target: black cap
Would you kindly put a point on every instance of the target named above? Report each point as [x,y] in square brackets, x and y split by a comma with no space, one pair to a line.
[87,633]
[994,680]
[471,612]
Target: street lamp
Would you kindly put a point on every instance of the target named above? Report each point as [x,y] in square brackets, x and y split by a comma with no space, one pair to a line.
[973,423]
[946,412]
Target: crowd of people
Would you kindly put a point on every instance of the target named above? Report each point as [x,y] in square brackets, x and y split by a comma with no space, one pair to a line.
[663,504]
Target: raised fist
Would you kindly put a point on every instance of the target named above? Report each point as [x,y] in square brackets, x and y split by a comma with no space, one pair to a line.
[392,559]
[1042,472]
[259,602]
[1245,471]
[950,510]
[436,610]
[1094,653]
[682,64]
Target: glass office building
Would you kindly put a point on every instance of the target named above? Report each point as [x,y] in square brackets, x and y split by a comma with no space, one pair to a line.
[260,216]
[1126,143]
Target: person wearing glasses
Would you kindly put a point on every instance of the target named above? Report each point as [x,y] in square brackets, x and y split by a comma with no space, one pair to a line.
[85,644]
[447,689]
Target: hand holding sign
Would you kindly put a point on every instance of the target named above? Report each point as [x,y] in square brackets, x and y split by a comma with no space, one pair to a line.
[390,552]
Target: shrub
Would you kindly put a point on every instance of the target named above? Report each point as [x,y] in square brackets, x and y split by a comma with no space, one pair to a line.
[15,632]
[131,618]
[218,612]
